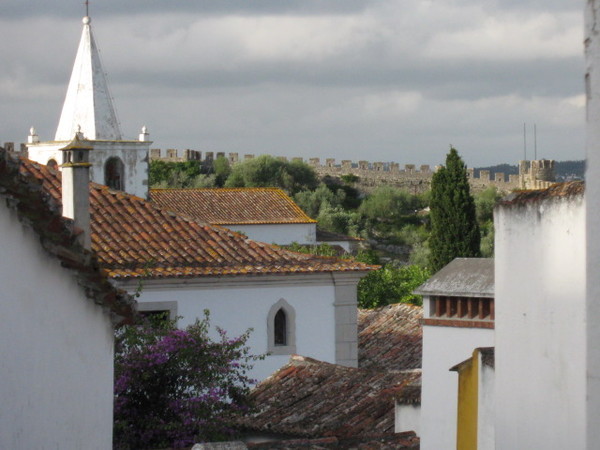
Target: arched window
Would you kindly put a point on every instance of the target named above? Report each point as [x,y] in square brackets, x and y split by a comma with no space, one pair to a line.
[52,164]
[114,174]
[281,329]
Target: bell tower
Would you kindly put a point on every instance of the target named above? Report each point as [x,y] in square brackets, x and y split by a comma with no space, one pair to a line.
[88,109]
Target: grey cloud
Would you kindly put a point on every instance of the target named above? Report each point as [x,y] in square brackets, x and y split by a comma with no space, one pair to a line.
[64,8]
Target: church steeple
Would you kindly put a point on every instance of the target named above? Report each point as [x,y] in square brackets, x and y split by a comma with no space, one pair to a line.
[88,103]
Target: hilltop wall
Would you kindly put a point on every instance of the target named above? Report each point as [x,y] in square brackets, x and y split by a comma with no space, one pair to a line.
[532,174]
[536,174]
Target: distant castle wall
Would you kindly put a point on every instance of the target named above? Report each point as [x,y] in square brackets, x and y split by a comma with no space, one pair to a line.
[532,174]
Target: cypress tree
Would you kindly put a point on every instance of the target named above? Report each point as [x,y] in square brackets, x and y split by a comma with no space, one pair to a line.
[454,228]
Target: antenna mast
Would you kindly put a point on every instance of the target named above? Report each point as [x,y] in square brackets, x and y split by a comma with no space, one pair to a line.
[524,142]
[534,142]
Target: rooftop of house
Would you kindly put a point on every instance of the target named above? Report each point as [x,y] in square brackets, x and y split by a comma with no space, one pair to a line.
[232,206]
[556,191]
[310,398]
[313,398]
[390,338]
[134,238]
[463,277]
[23,191]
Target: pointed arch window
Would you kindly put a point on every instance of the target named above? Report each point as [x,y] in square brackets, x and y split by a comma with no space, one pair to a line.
[281,329]
[114,173]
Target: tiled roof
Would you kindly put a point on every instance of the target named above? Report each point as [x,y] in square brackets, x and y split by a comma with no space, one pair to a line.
[396,441]
[133,237]
[390,337]
[314,398]
[21,189]
[556,191]
[232,206]
[462,277]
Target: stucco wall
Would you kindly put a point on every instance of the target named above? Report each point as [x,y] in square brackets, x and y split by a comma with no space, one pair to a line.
[485,409]
[236,305]
[443,348]
[282,234]
[133,154]
[407,418]
[592,79]
[56,351]
[540,324]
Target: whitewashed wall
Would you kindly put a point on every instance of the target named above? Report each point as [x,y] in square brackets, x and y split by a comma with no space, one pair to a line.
[540,325]
[282,234]
[407,417]
[485,408]
[56,351]
[443,348]
[236,305]
[133,154]
[592,47]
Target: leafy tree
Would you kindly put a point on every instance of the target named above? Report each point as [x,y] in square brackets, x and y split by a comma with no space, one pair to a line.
[338,220]
[485,201]
[454,228]
[178,175]
[391,284]
[222,170]
[484,205]
[388,203]
[312,202]
[266,171]
[176,387]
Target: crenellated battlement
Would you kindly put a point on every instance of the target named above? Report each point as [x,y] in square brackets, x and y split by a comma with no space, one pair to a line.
[532,174]
[535,174]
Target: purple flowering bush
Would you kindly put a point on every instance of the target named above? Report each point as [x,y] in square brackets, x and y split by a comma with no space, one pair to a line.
[174,388]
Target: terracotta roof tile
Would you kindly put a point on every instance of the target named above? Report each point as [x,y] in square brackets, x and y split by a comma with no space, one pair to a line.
[390,337]
[26,189]
[133,237]
[314,398]
[232,206]
[395,441]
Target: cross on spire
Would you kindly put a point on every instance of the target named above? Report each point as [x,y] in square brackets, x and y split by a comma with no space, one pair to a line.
[87,7]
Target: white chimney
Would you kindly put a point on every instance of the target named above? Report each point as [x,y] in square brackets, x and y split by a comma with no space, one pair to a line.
[75,187]
[33,137]
[144,136]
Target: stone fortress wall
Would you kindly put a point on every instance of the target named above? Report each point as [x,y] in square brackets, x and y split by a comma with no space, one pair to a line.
[532,174]
[537,174]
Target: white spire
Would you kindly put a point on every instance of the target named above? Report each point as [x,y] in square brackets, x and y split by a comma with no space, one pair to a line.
[88,103]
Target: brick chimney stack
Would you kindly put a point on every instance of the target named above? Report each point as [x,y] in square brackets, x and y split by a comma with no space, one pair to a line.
[75,187]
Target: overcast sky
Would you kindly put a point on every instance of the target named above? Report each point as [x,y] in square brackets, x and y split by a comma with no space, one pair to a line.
[381,80]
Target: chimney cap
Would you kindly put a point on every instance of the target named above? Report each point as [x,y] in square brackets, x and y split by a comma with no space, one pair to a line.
[77,144]
[77,153]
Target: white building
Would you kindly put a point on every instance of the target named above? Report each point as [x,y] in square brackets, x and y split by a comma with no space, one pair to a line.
[458,316]
[293,303]
[56,338]
[263,214]
[88,108]
[540,319]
